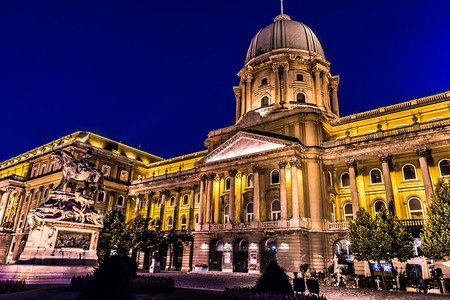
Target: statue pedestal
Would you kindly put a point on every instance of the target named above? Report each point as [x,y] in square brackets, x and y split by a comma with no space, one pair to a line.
[64,231]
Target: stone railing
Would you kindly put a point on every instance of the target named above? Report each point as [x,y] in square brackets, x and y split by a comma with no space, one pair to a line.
[255,225]
[386,133]
[413,222]
[337,225]
[13,177]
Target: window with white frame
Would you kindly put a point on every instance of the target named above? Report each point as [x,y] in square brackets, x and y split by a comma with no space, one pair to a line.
[227,184]
[22,217]
[333,212]
[169,223]
[250,212]
[12,247]
[330,179]
[250,178]
[226,216]
[158,204]
[348,212]
[345,180]
[415,208]
[198,198]
[378,205]
[101,197]
[376,176]
[183,223]
[33,173]
[196,219]
[185,200]
[444,167]
[35,195]
[409,172]
[172,201]
[43,167]
[52,166]
[276,210]
[124,175]
[45,194]
[275,176]
[120,201]
[106,170]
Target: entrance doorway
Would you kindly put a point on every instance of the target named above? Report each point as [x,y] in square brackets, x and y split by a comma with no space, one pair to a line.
[215,255]
[162,255]
[240,256]
[177,256]
[268,253]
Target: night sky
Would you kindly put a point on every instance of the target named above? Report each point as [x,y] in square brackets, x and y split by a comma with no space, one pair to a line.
[160,73]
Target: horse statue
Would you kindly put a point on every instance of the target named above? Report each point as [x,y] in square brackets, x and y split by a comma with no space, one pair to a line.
[81,170]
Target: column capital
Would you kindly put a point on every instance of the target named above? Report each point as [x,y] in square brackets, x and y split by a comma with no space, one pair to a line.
[295,162]
[384,157]
[165,193]
[285,66]
[275,67]
[422,152]
[211,176]
[203,177]
[248,77]
[232,172]
[256,168]
[351,163]
[150,194]
[281,163]
[194,187]
[178,190]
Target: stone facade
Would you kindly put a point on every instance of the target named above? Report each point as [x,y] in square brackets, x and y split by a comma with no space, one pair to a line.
[281,184]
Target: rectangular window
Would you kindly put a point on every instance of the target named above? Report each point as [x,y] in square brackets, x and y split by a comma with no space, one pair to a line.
[264,81]
[299,77]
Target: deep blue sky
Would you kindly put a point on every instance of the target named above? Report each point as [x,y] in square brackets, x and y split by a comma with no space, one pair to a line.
[160,73]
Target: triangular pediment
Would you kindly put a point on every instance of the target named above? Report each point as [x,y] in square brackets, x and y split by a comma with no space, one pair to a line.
[244,143]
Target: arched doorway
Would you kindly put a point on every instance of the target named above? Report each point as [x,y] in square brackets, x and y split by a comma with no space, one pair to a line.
[215,255]
[162,255]
[268,253]
[177,256]
[343,256]
[240,256]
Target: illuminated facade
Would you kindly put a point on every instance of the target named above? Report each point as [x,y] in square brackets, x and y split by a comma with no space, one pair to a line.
[281,184]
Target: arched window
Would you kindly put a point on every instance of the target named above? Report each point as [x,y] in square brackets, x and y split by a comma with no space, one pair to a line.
[415,208]
[44,166]
[375,176]
[345,180]
[45,194]
[124,175]
[183,223]
[158,204]
[101,197]
[22,216]
[120,201]
[264,101]
[185,200]
[35,195]
[106,170]
[409,172]
[227,184]
[444,167]
[172,201]
[226,216]
[276,210]
[330,179]
[52,167]
[270,245]
[378,205]
[300,97]
[198,198]
[348,212]
[250,212]
[333,212]
[275,177]
[250,180]
[196,219]
[169,223]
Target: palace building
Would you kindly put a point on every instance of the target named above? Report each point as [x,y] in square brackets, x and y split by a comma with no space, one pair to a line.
[281,184]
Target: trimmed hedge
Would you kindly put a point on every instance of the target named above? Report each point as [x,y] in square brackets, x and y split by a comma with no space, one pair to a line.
[12,286]
[249,293]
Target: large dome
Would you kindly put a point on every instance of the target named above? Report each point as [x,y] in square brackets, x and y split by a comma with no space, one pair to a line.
[284,33]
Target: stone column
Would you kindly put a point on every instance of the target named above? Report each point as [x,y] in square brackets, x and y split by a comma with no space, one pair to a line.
[385,158]
[4,203]
[256,210]
[201,203]
[422,153]
[243,96]
[283,199]
[284,99]
[238,103]
[249,92]
[353,186]
[191,207]
[149,205]
[314,176]
[164,194]
[276,68]
[317,87]
[295,163]
[177,205]
[334,87]
[136,206]
[209,190]
[325,93]
[232,195]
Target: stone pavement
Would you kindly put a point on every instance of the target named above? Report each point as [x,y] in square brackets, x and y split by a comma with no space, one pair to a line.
[218,281]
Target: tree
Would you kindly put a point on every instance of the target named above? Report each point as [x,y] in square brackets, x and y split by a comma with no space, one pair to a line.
[436,234]
[382,238]
[141,235]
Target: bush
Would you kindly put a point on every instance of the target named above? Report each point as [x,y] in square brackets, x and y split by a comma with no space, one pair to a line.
[153,284]
[78,283]
[274,280]
[247,293]
[12,286]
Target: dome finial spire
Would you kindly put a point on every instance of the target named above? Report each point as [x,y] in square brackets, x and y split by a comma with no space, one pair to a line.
[282,7]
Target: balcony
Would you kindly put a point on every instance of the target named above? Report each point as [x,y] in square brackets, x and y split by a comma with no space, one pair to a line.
[14,177]
[338,226]
[277,224]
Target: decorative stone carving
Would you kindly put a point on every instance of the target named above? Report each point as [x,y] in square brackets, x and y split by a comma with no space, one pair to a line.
[211,176]
[281,163]
[423,151]
[294,162]
[351,163]
[384,157]
[70,239]
[232,172]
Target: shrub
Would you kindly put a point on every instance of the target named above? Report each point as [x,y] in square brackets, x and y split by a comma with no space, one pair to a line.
[153,284]
[12,286]
[247,293]
[274,280]
[78,283]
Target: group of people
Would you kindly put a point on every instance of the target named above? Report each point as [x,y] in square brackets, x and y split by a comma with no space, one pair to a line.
[300,287]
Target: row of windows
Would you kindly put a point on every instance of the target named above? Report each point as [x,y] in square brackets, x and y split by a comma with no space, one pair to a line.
[106,170]
[101,198]
[183,222]
[298,77]
[408,171]
[275,211]
[184,200]
[274,179]
[415,209]
[43,169]
[299,98]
